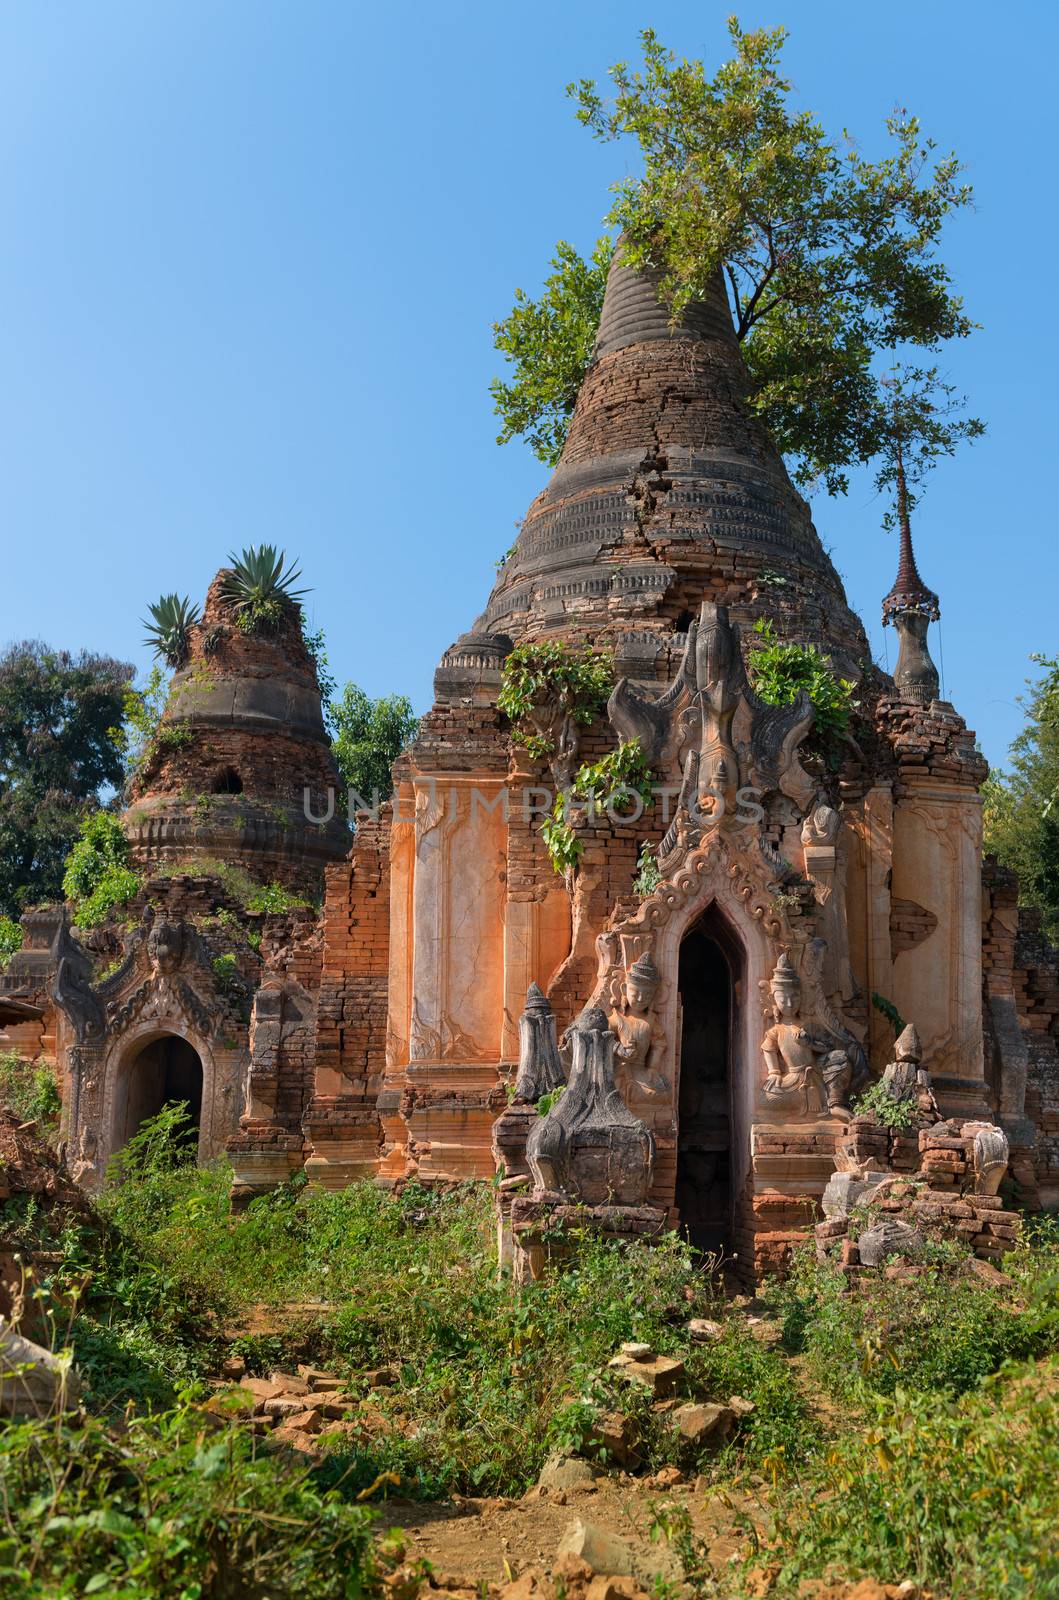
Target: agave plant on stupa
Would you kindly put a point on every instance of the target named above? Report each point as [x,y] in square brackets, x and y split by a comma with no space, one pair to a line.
[258,590]
[167,634]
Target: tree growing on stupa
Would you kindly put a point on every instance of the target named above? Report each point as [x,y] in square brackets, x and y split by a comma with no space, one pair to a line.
[830,261]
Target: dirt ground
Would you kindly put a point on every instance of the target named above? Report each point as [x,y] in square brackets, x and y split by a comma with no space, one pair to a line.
[496,1540]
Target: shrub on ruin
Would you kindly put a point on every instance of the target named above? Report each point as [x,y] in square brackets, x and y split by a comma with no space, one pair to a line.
[28,1088]
[10,939]
[98,878]
[618,784]
[168,632]
[552,681]
[780,670]
[259,590]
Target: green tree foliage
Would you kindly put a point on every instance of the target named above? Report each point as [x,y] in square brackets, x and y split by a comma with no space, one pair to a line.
[549,342]
[369,735]
[60,744]
[828,258]
[10,938]
[1022,804]
[316,645]
[98,876]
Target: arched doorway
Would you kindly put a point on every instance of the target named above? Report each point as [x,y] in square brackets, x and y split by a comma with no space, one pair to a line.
[709,974]
[164,1072]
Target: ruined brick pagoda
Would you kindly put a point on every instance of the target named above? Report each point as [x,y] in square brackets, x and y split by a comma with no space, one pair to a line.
[713,1027]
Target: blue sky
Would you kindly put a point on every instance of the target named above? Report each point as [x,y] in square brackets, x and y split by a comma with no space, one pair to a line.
[251,256]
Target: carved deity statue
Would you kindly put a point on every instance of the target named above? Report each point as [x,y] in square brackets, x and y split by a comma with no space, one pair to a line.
[634,1029]
[904,1078]
[807,1073]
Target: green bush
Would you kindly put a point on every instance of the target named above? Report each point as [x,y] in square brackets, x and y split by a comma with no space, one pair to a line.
[29,1089]
[575,680]
[98,877]
[780,671]
[938,1331]
[963,1497]
[10,939]
[897,1115]
[169,1506]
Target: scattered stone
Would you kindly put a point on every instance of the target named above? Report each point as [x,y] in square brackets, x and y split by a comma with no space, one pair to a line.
[605,1587]
[667,1478]
[637,1352]
[702,1424]
[261,1388]
[337,1406]
[567,1472]
[380,1378]
[233,1368]
[889,1237]
[289,1383]
[741,1407]
[33,1382]
[306,1421]
[986,1271]
[586,1549]
[617,1435]
[659,1374]
[283,1405]
[597,1550]
[701,1330]
[295,1439]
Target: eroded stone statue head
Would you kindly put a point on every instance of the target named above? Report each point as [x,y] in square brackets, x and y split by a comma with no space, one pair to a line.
[165,947]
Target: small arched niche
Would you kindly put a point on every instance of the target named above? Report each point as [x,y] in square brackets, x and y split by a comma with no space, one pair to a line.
[711,971]
[227,781]
[165,1071]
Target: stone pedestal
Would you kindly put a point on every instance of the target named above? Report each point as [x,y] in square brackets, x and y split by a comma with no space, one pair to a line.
[543,1226]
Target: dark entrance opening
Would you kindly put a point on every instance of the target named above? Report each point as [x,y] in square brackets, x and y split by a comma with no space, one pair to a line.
[227,781]
[167,1071]
[704,1130]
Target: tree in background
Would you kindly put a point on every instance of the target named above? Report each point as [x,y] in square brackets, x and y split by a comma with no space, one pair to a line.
[829,260]
[369,735]
[1022,805]
[60,746]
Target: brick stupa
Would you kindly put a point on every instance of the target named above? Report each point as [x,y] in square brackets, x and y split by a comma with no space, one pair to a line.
[241,741]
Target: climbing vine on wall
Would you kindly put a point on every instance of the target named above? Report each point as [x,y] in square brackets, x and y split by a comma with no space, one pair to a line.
[548,684]
[613,784]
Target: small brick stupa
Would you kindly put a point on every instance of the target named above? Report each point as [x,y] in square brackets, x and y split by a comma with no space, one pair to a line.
[241,756]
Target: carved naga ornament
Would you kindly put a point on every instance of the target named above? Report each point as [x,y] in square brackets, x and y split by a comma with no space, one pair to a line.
[724,737]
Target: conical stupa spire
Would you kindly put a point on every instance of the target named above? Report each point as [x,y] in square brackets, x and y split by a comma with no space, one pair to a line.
[912,607]
[909,592]
[669,491]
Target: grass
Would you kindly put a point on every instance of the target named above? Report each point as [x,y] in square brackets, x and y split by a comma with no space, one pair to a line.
[29,1090]
[962,1496]
[909,1431]
[168,1506]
